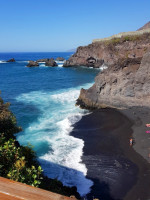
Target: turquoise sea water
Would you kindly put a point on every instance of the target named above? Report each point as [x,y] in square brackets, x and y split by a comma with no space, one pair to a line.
[43,100]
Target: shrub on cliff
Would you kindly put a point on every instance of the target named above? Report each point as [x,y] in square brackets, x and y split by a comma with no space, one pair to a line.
[8,124]
[15,165]
[114,41]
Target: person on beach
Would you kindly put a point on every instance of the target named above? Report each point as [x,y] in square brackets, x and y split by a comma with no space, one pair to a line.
[131,142]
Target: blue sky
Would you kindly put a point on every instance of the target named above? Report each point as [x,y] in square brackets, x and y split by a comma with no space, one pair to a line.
[60,25]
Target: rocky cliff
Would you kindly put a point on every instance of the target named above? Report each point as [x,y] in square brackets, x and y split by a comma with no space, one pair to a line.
[111,51]
[126,81]
[124,84]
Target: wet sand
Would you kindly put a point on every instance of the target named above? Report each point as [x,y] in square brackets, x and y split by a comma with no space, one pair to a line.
[117,170]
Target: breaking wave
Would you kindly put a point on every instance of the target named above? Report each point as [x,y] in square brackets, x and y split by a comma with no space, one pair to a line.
[59,153]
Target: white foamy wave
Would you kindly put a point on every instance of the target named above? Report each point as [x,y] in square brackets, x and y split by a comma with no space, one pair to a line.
[61,62]
[103,67]
[60,65]
[66,96]
[42,65]
[58,114]
[1,61]
[67,152]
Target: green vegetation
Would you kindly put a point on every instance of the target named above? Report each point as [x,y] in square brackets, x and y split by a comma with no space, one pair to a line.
[18,162]
[113,41]
[120,40]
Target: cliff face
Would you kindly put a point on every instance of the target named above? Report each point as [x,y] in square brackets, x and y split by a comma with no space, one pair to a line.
[123,85]
[126,81]
[111,51]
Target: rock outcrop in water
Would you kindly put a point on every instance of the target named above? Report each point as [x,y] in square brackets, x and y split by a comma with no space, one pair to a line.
[11,60]
[48,62]
[33,64]
[126,81]
[51,62]
[60,59]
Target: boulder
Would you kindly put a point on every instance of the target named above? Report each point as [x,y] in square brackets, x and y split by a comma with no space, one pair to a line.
[51,62]
[60,59]
[11,60]
[33,64]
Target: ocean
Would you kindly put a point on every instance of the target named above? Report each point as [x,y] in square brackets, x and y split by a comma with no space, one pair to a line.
[43,101]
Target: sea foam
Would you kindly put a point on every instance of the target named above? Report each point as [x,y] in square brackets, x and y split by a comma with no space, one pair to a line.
[1,61]
[62,157]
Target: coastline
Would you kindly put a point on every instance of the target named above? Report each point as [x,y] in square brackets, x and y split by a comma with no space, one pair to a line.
[117,170]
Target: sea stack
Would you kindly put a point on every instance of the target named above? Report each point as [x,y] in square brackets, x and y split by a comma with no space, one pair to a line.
[11,60]
[32,64]
[51,62]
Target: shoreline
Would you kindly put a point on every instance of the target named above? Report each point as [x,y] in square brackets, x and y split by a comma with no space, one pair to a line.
[140,116]
[117,170]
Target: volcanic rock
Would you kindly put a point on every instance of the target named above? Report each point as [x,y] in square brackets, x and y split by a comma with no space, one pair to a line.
[125,84]
[109,52]
[51,62]
[32,64]
[11,60]
[126,81]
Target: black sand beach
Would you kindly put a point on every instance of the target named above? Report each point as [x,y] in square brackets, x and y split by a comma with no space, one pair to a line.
[117,170]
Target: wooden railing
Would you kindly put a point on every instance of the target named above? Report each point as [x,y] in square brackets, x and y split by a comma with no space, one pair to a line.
[12,190]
